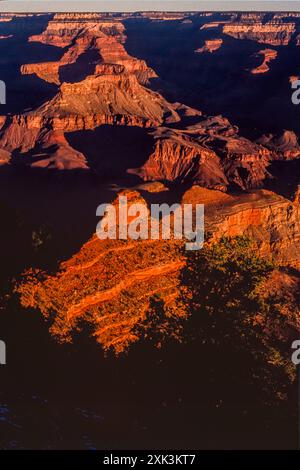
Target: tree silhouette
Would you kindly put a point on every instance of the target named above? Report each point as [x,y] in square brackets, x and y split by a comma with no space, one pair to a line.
[222,286]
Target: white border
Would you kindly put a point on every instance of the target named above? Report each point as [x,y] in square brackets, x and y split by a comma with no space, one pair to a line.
[33,6]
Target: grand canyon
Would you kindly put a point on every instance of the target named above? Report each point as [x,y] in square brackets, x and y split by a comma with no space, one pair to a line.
[136,343]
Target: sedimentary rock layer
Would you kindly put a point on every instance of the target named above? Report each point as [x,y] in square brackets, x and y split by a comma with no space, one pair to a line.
[109,283]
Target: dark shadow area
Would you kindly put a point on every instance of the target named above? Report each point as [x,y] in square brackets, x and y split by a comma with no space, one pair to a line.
[219,82]
[111,150]
[196,395]
[63,202]
[25,92]
[193,395]
[183,396]
[84,66]
[286,177]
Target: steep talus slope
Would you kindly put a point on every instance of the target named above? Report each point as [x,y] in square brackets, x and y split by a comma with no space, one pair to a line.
[106,99]
[113,95]
[210,152]
[109,283]
[115,292]
[285,145]
[245,162]
[213,154]
[116,99]
[39,147]
[179,157]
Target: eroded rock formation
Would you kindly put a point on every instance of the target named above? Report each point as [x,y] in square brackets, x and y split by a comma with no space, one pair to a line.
[211,45]
[267,56]
[210,152]
[109,283]
[273,33]
[116,99]
[80,34]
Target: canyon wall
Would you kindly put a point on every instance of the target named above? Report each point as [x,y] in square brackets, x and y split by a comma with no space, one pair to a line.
[109,283]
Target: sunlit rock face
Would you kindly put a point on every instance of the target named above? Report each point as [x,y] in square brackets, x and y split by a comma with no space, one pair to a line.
[211,45]
[78,35]
[187,145]
[108,284]
[267,56]
[273,33]
[185,108]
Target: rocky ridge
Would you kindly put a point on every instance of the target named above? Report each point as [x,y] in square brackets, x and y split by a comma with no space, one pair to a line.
[210,152]
[89,289]
[80,34]
[267,55]
[108,284]
[273,33]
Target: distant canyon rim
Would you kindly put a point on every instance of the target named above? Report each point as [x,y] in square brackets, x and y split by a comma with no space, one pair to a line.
[199,113]
[124,342]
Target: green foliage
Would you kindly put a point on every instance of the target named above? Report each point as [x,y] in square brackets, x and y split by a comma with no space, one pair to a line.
[221,285]
[225,276]
[160,324]
[41,237]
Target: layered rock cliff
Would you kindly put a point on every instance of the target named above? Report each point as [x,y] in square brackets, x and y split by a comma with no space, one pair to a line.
[209,152]
[286,145]
[117,278]
[267,56]
[114,99]
[180,158]
[109,283]
[273,33]
[106,99]
[80,34]
[272,221]
[211,45]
